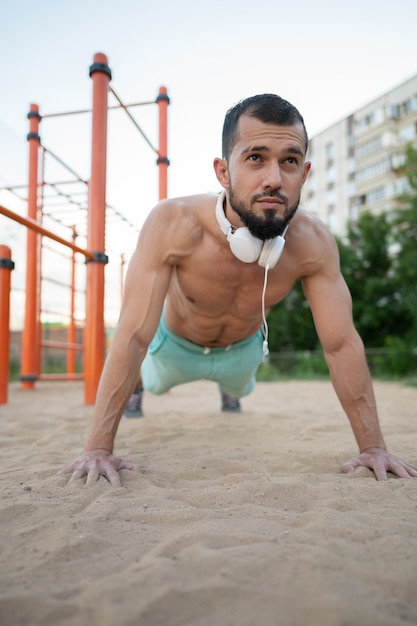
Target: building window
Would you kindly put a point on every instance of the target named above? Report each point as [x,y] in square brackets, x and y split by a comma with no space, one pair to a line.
[400,187]
[397,161]
[407,133]
[368,147]
[375,195]
[329,151]
[331,174]
[393,111]
[330,197]
[373,171]
[366,121]
[353,211]
[351,189]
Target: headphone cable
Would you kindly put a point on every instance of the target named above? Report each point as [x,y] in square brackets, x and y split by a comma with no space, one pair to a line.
[264,329]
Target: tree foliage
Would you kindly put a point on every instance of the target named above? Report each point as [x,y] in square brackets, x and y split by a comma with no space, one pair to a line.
[291,325]
[405,238]
[366,263]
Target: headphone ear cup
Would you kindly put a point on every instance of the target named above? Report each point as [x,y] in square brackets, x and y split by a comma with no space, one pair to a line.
[271,252]
[245,246]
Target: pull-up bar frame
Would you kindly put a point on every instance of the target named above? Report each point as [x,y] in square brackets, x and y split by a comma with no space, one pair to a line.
[96,259]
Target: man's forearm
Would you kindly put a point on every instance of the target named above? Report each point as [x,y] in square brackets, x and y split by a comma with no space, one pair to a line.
[353,385]
[119,377]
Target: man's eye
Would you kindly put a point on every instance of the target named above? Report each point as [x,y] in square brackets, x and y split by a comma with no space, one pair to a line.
[254,157]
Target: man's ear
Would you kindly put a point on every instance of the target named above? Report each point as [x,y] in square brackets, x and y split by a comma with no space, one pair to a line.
[307,167]
[222,172]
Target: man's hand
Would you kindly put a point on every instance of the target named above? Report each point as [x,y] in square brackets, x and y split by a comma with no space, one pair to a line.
[96,463]
[381,462]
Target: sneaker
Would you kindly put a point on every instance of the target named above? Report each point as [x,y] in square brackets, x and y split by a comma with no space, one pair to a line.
[230,404]
[134,406]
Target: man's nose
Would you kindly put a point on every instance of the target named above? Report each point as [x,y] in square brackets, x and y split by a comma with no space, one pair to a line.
[272,176]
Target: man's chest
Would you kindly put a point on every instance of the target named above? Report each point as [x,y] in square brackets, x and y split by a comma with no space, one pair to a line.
[232,288]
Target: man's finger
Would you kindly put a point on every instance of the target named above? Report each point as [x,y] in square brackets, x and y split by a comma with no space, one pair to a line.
[65,470]
[400,470]
[350,466]
[77,474]
[380,471]
[92,476]
[126,464]
[112,476]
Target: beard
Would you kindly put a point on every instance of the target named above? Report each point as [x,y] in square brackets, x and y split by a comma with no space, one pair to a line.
[268,226]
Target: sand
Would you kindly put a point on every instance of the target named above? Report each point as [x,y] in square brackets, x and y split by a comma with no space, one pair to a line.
[240,520]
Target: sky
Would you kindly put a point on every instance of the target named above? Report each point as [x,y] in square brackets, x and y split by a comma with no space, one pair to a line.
[328,58]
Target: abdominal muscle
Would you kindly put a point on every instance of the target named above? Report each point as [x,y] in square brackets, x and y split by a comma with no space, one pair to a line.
[213,313]
[206,331]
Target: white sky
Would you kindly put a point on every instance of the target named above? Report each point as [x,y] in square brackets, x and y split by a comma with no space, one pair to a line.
[327,57]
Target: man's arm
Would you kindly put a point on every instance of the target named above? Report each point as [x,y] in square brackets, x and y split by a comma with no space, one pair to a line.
[331,307]
[146,286]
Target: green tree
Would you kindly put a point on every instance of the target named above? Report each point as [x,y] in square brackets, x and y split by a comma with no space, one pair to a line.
[366,263]
[291,324]
[405,237]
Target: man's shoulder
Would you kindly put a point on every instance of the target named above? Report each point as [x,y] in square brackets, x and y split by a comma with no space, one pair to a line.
[308,217]
[180,222]
[311,243]
[190,203]
[195,213]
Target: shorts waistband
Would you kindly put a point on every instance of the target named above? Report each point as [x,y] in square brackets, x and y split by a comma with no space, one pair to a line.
[194,347]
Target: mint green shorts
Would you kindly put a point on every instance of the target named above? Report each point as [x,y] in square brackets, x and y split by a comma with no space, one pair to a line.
[171,361]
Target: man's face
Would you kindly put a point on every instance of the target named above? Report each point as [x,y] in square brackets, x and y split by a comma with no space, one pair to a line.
[266,172]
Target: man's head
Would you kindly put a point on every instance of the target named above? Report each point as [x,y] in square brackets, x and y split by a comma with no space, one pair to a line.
[267,108]
[264,165]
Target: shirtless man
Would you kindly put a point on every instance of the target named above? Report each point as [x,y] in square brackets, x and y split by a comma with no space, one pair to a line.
[208,281]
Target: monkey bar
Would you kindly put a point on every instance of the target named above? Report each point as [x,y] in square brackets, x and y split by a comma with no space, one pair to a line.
[95,256]
[71,346]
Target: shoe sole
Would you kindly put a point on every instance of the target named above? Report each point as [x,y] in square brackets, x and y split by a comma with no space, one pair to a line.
[133,414]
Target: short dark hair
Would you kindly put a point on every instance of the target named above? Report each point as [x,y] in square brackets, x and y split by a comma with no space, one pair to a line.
[267,108]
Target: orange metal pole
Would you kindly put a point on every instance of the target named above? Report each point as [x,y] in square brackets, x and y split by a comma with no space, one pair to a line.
[6,266]
[163,161]
[71,356]
[94,334]
[29,337]
[38,228]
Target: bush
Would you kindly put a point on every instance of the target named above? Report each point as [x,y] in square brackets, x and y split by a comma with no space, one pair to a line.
[311,365]
[14,369]
[296,365]
[398,360]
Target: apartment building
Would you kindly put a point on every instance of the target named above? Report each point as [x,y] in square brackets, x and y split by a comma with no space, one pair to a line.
[356,162]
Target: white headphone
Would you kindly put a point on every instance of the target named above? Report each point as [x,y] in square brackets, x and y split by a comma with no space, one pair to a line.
[244,245]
